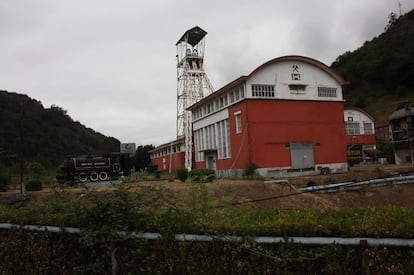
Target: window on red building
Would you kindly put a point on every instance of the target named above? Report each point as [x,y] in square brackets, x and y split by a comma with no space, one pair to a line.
[237,119]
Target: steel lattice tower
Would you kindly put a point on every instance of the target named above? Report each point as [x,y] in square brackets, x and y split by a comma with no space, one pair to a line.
[192,83]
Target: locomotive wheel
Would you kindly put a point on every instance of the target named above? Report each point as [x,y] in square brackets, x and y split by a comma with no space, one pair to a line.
[93,176]
[83,177]
[103,175]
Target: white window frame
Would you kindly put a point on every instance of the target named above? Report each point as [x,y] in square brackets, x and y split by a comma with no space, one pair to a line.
[368,128]
[262,90]
[353,128]
[327,91]
[238,123]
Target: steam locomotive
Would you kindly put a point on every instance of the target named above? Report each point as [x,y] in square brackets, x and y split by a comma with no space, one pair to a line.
[95,168]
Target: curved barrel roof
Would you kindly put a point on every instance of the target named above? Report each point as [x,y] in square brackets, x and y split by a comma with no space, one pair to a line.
[243,78]
[305,59]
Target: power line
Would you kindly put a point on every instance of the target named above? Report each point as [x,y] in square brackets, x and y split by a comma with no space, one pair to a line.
[344,185]
[280,196]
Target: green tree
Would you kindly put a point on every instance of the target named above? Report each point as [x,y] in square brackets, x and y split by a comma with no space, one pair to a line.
[36,170]
[392,18]
[182,174]
[4,179]
[142,157]
[381,72]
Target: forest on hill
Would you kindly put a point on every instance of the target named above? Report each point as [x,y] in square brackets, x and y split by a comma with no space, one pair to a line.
[381,72]
[30,132]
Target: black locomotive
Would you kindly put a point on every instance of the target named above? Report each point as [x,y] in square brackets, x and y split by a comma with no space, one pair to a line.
[95,168]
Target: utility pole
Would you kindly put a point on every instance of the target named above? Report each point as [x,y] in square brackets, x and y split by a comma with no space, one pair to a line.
[21,151]
[399,6]
[410,130]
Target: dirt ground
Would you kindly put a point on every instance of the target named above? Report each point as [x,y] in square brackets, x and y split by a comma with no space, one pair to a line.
[271,194]
[277,193]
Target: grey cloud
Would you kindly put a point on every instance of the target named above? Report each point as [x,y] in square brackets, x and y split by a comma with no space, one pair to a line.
[112,64]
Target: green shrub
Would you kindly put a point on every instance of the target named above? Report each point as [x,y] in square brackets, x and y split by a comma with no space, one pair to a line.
[4,182]
[202,175]
[34,185]
[36,170]
[157,174]
[152,168]
[182,174]
[250,170]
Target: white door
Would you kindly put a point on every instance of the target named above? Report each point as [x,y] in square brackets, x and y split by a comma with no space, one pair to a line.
[211,161]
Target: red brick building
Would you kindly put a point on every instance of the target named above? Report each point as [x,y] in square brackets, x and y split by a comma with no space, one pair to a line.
[285,117]
[169,156]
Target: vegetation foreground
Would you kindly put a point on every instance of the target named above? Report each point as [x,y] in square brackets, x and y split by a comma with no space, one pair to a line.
[99,248]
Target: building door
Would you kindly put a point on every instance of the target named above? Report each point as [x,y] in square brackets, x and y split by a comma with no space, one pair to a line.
[301,155]
[211,160]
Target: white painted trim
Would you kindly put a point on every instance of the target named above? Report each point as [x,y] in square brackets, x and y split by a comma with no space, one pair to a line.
[213,118]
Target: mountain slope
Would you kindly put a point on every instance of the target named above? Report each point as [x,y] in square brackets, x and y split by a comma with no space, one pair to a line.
[381,72]
[46,135]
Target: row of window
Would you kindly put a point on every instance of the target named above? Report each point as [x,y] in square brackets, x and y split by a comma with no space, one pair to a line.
[400,125]
[263,90]
[219,103]
[213,137]
[258,90]
[354,128]
[217,137]
[166,151]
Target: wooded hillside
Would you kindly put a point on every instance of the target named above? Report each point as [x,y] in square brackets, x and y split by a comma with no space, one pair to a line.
[45,135]
[381,72]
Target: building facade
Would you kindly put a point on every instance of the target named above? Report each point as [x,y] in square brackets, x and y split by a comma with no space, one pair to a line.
[401,124]
[169,156]
[360,136]
[286,117]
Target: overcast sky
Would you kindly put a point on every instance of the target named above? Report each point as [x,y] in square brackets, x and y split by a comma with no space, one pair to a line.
[112,65]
